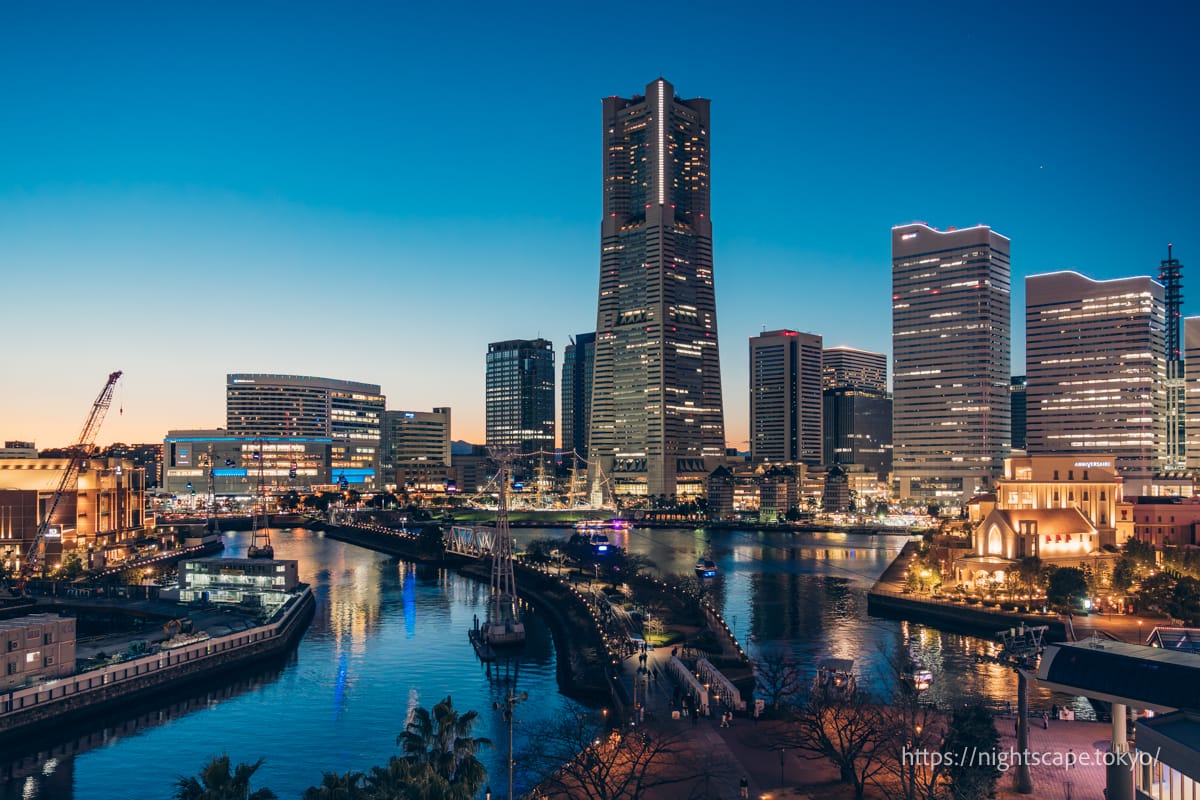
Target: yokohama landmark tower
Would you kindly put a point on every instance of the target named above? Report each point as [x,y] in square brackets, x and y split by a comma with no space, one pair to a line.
[657,425]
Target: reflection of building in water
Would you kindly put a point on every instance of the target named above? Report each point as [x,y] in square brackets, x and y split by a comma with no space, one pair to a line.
[51,772]
[786,604]
[355,595]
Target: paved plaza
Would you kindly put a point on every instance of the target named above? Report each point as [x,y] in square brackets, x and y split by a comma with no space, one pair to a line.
[744,749]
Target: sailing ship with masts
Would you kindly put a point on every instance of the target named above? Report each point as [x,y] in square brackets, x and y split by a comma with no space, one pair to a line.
[503,628]
[260,522]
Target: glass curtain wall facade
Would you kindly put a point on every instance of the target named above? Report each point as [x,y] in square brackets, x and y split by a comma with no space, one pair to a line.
[657,424]
[578,360]
[520,398]
[858,429]
[1095,362]
[294,406]
[952,351]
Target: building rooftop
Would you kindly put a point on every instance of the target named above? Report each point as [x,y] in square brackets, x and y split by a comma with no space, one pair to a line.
[1050,521]
[1134,674]
[20,623]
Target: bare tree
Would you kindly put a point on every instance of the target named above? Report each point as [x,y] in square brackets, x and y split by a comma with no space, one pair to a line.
[850,731]
[916,728]
[906,773]
[585,761]
[778,677]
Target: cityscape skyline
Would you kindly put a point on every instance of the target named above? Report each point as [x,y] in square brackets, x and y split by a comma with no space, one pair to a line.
[202,232]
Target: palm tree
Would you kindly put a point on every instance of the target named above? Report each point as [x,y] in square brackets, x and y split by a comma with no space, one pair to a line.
[442,741]
[216,782]
[338,787]
[391,782]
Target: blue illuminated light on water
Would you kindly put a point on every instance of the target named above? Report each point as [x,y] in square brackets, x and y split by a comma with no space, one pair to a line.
[386,636]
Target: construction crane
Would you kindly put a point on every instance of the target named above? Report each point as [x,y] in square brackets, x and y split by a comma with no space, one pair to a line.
[70,477]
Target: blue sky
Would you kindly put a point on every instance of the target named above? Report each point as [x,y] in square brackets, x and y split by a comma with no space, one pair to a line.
[373,191]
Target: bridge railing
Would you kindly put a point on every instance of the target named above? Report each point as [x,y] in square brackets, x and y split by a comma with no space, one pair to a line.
[470,540]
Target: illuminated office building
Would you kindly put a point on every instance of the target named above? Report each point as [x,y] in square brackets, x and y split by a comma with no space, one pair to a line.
[416,449]
[853,368]
[520,398]
[857,418]
[239,463]
[858,429]
[348,413]
[1095,365]
[952,351]
[785,397]
[657,423]
[1191,401]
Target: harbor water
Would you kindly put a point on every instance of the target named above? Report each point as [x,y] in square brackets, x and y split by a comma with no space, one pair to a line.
[389,635]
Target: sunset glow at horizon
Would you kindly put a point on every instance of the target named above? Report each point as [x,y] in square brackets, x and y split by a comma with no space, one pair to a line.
[373,193]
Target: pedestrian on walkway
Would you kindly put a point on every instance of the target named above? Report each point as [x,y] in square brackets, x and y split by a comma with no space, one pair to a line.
[1045,721]
[743,787]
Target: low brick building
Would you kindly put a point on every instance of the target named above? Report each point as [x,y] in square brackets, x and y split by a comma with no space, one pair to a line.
[35,648]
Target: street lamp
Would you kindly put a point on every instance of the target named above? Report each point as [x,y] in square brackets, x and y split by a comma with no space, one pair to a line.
[510,700]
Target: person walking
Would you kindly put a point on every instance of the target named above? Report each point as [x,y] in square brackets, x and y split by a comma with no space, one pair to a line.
[1045,721]
[743,787]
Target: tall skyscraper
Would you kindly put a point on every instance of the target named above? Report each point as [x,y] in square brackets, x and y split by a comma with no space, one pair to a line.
[951,345]
[785,397]
[579,357]
[858,429]
[297,406]
[853,368]
[1095,359]
[520,398]
[657,423]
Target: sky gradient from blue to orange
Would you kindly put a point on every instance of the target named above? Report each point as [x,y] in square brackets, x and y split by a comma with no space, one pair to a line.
[374,191]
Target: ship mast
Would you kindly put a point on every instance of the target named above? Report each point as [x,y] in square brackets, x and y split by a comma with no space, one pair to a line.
[502,603]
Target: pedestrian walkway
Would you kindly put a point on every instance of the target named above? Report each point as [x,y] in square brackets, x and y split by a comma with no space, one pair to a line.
[1054,746]
[748,748]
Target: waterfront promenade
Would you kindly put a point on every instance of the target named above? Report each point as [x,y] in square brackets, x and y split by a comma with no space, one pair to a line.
[750,748]
[889,597]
